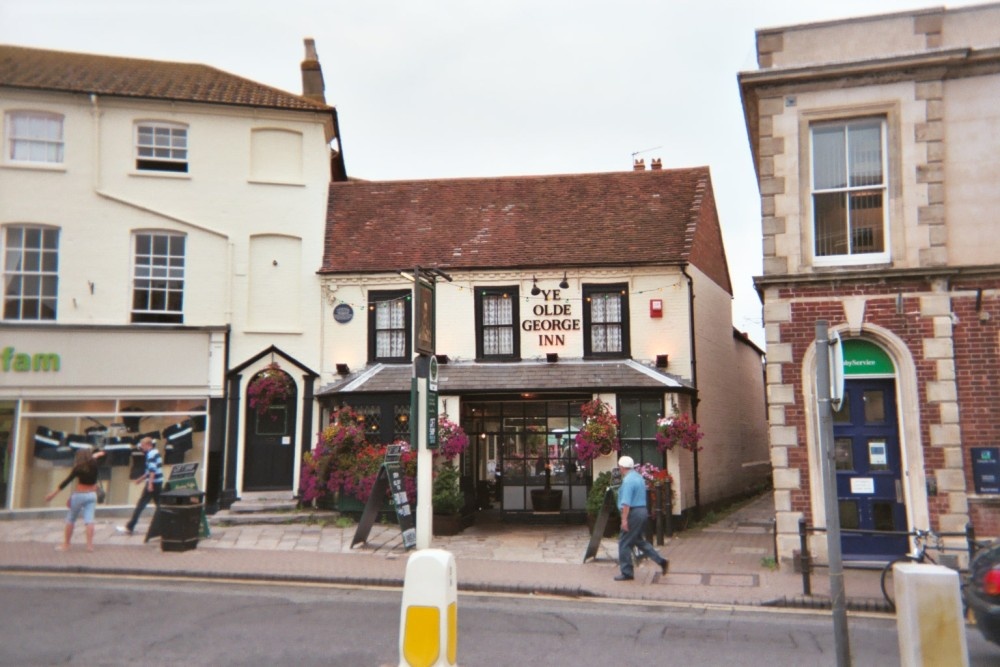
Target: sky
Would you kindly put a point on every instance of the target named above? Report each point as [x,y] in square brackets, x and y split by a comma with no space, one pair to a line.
[461,88]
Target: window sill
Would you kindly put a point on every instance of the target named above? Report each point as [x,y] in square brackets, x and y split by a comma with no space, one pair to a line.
[35,166]
[177,175]
[837,261]
[261,181]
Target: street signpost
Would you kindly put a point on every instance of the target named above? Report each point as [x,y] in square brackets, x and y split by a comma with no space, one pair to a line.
[828,464]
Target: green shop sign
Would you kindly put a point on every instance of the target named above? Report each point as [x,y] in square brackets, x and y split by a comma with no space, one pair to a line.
[24,362]
[862,357]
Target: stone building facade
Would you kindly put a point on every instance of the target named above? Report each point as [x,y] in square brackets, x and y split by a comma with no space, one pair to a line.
[874,141]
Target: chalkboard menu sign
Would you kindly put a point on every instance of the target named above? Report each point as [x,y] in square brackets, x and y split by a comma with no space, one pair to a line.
[390,477]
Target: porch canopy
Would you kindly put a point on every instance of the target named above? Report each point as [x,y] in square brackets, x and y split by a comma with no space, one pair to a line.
[526,376]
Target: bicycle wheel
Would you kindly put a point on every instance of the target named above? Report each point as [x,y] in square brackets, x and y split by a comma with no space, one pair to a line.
[888,590]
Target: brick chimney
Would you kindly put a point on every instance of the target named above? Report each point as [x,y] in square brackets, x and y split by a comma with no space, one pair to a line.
[639,165]
[312,74]
[656,164]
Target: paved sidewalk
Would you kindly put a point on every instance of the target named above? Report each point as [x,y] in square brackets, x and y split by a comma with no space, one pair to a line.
[720,564]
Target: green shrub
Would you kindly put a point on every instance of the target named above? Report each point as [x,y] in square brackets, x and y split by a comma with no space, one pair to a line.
[446,495]
[595,498]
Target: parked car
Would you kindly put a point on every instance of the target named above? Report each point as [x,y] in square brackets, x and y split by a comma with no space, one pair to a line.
[983,592]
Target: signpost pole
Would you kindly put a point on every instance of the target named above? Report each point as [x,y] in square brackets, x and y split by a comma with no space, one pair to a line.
[425,458]
[837,594]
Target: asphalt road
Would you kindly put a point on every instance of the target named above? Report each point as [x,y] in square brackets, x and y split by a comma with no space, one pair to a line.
[78,620]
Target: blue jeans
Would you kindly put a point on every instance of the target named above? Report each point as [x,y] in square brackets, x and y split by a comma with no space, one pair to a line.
[82,503]
[144,499]
[635,537]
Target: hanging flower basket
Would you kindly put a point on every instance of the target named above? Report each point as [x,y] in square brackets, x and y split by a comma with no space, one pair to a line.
[452,440]
[270,388]
[678,430]
[599,434]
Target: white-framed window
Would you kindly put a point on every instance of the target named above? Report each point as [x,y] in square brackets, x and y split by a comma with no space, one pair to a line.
[606,321]
[497,320]
[390,325]
[34,137]
[161,147]
[849,193]
[30,272]
[158,278]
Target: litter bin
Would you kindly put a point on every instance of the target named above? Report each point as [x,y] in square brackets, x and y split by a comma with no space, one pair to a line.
[180,513]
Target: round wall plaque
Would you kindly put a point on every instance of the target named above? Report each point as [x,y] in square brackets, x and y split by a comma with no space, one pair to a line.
[343,313]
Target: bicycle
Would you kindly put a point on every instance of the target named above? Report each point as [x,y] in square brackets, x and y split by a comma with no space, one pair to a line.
[921,540]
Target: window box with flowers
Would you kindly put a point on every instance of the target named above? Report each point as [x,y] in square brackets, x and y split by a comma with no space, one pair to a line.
[599,434]
[270,388]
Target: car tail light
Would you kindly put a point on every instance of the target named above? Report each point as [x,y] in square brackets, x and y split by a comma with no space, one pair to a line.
[991,582]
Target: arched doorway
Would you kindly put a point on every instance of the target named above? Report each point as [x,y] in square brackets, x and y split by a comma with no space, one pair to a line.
[270,427]
[868,456]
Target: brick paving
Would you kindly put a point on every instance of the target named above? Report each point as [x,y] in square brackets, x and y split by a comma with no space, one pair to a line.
[719,564]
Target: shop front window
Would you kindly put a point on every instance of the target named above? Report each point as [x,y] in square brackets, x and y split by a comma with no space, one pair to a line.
[516,442]
[52,431]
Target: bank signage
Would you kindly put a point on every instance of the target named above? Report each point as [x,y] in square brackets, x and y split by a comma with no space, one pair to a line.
[862,357]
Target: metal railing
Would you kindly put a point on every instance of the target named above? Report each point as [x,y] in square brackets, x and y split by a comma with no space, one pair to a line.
[805,556]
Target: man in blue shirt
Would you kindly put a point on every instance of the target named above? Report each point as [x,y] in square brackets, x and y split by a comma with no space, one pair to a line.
[632,507]
[153,479]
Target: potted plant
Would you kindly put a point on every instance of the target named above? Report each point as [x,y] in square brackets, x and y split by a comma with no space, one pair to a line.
[599,434]
[448,501]
[595,500]
[547,499]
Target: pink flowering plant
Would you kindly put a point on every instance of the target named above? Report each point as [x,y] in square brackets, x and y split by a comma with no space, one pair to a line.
[653,474]
[269,388]
[599,434]
[452,440]
[678,430]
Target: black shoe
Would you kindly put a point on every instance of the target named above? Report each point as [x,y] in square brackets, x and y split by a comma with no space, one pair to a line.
[664,566]
[623,577]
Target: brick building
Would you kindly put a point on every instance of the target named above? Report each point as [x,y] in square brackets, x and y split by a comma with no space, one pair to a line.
[875,143]
[563,288]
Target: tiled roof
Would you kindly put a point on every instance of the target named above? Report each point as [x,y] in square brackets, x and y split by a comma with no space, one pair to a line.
[527,376]
[609,219]
[39,69]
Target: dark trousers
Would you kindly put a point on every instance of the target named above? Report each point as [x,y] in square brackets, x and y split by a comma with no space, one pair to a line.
[144,499]
[635,536]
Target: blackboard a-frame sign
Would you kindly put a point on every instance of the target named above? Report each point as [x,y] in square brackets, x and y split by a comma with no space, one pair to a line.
[610,500]
[389,478]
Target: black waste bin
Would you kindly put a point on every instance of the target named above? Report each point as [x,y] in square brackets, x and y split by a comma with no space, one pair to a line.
[180,516]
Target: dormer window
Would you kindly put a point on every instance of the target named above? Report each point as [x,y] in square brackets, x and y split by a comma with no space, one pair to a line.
[161,147]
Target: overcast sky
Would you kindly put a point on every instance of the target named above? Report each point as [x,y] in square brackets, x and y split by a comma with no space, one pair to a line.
[454,88]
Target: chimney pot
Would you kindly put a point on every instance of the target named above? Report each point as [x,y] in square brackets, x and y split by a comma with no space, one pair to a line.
[639,165]
[656,164]
[313,87]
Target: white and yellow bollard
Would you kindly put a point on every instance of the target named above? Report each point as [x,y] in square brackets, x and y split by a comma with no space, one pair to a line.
[428,622]
[929,618]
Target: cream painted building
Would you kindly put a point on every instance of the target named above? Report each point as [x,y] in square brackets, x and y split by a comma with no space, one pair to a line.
[161,226]
[875,143]
[562,289]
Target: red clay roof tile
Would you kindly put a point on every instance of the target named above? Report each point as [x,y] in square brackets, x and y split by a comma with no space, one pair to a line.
[40,69]
[607,219]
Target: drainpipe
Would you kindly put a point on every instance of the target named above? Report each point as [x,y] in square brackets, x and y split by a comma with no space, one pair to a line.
[694,380]
[95,113]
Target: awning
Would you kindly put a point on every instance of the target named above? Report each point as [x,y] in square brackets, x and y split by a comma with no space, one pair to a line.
[519,377]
